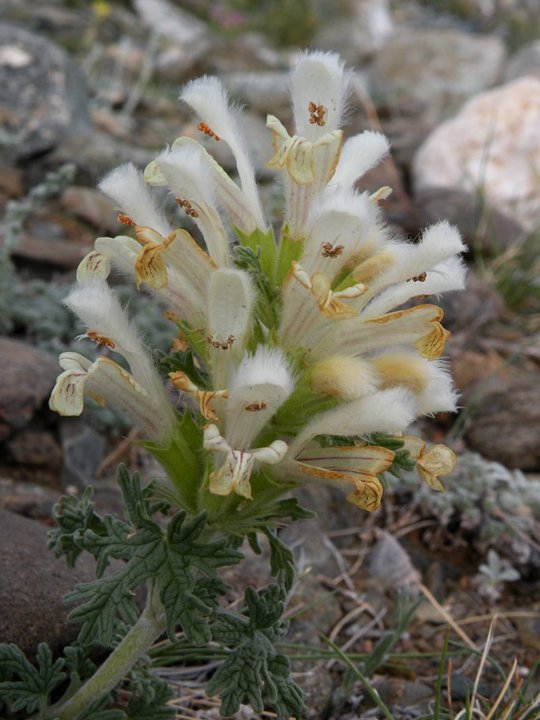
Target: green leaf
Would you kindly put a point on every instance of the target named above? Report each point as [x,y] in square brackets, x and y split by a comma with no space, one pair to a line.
[73,517]
[99,710]
[267,308]
[174,559]
[281,558]
[182,459]
[186,362]
[149,694]
[254,672]
[28,688]
[262,246]
[289,250]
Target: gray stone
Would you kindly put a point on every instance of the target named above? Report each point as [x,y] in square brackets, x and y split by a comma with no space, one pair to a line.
[435,70]
[32,585]
[358,36]
[505,422]
[42,94]
[486,230]
[262,92]
[46,249]
[83,449]
[35,447]
[96,152]
[188,37]
[28,377]
[92,206]
[525,63]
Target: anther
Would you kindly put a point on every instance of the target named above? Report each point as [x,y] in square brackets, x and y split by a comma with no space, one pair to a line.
[418,278]
[331,251]
[203,127]
[317,114]
[126,220]
[187,207]
[255,406]
[100,339]
[220,344]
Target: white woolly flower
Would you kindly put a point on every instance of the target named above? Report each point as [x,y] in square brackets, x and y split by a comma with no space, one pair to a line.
[108,326]
[127,188]
[209,99]
[319,89]
[190,179]
[259,386]
[282,345]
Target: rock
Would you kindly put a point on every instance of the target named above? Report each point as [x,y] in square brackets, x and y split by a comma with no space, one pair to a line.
[63,254]
[11,181]
[28,376]
[486,229]
[92,206]
[505,422]
[491,147]
[83,449]
[27,498]
[312,676]
[96,153]
[358,36]
[466,311]
[525,63]
[42,94]
[189,39]
[33,586]
[35,447]
[262,92]
[436,70]
[391,566]
[471,368]
[315,604]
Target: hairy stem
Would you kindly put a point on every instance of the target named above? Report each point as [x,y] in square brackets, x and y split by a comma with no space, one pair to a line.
[146,630]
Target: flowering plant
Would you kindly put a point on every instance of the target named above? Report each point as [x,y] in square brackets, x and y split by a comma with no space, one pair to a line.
[292,363]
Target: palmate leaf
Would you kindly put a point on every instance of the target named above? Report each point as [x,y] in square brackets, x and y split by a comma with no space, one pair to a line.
[254,672]
[29,687]
[173,559]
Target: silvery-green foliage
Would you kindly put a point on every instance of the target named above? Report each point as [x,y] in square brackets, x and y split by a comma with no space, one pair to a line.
[488,506]
[493,574]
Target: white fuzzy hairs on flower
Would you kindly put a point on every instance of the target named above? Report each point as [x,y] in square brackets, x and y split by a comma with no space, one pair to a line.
[125,185]
[261,384]
[385,411]
[319,78]
[358,155]
[210,100]
[99,308]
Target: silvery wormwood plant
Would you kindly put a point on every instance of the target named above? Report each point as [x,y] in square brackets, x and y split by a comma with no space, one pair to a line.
[291,366]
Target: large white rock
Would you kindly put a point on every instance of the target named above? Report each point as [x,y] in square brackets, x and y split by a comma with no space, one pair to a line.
[492,147]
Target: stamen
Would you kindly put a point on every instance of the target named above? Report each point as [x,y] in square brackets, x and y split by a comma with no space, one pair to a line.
[317,114]
[418,278]
[187,207]
[331,251]
[126,220]
[256,406]
[101,340]
[204,398]
[203,127]
[220,344]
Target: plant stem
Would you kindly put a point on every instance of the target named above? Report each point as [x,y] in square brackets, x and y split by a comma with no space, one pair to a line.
[146,630]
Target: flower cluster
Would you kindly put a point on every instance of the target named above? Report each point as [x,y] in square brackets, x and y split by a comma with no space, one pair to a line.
[283,345]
